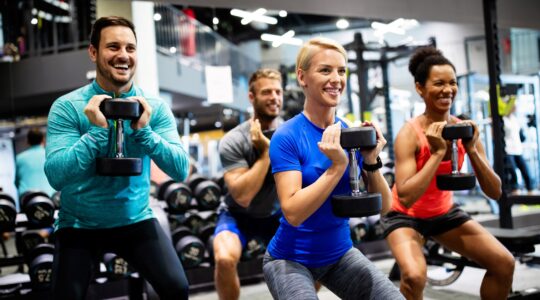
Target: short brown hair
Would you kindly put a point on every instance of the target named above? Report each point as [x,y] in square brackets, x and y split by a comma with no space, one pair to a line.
[263,73]
[306,53]
[103,22]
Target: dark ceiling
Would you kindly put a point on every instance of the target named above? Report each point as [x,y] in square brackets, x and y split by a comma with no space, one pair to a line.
[231,28]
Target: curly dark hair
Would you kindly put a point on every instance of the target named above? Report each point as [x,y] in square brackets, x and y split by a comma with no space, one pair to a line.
[422,61]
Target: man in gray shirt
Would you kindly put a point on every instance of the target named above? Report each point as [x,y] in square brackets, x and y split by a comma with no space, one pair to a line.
[251,205]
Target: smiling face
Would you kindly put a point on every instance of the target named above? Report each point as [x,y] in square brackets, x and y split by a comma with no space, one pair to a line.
[325,79]
[266,98]
[440,88]
[116,58]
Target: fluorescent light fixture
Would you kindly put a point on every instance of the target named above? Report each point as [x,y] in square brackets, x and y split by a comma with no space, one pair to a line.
[157,17]
[278,40]
[398,26]
[282,13]
[342,24]
[258,15]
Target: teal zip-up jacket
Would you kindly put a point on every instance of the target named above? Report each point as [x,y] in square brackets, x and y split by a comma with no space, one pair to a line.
[73,144]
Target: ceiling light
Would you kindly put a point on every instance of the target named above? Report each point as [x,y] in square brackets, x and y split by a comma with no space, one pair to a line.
[282,13]
[172,49]
[215,20]
[157,17]
[342,24]
[34,21]
[258,15]
[278,40]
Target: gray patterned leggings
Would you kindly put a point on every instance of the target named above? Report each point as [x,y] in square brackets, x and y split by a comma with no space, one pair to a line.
[352,277]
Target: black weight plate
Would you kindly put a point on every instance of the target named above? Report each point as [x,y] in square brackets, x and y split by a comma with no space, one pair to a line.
[457,131]
[126,166]
[127,109]
[456,182]
[358,137]
[364,205]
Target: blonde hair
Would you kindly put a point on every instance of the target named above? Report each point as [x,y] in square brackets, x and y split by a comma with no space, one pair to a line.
[263,73]
[309,49]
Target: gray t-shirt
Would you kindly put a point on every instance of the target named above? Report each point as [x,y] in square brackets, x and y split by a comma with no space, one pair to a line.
[237,151]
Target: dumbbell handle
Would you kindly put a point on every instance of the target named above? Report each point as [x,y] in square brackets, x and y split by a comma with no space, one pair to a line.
[353,173]
[119,139]
[455,169]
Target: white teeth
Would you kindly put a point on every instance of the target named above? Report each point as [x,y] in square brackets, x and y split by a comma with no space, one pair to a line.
[121,66]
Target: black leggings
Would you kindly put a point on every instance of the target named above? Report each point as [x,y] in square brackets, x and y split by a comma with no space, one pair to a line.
[143,245]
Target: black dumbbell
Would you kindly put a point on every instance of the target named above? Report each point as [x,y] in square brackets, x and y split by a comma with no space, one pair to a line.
[255,247]
[190,249]
[359,229]
[29,239]
[358,204]
[38,208]
[220,181]
[116,164]
[456,181]
[8,213]
[177,195]
[56,197]
[115,266]
[206,192]
[40,261]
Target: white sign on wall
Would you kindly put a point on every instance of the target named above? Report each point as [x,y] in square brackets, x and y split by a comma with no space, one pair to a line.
[219,87]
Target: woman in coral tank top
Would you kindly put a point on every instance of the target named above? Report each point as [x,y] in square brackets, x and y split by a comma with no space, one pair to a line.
[419,208]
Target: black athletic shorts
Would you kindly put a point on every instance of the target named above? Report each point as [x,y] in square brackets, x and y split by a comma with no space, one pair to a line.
[426,227]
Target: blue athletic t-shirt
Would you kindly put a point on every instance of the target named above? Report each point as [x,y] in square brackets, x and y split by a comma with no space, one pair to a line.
[323,238]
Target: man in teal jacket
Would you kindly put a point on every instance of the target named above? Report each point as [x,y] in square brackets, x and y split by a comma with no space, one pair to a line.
[30,162]
[112,214]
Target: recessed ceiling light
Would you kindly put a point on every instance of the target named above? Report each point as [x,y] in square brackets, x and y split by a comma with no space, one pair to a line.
[157,17]
[342,24]
[257,15]
[282,13]
[215,20]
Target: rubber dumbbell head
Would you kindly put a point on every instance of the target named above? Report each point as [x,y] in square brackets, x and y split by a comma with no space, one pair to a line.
[40,261]
[190,249]
[8,213]
[38,208]
[125,166]
[178,197]
[28,240]
[457,131]
[115,266]
[456,182]
[208,194]
[363,205]
[359,229]
[118,108]
[358,137]
[254,247]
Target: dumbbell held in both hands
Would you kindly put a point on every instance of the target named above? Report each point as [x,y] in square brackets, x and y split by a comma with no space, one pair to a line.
[358,204]
[116,164]
[456,181]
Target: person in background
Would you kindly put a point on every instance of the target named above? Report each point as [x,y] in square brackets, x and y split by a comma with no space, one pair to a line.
[104,213]
[514,152]
[419,209]
[309,166]
[251,207]
[30,174]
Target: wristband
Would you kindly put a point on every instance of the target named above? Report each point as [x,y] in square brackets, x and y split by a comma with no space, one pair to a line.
[374,167]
